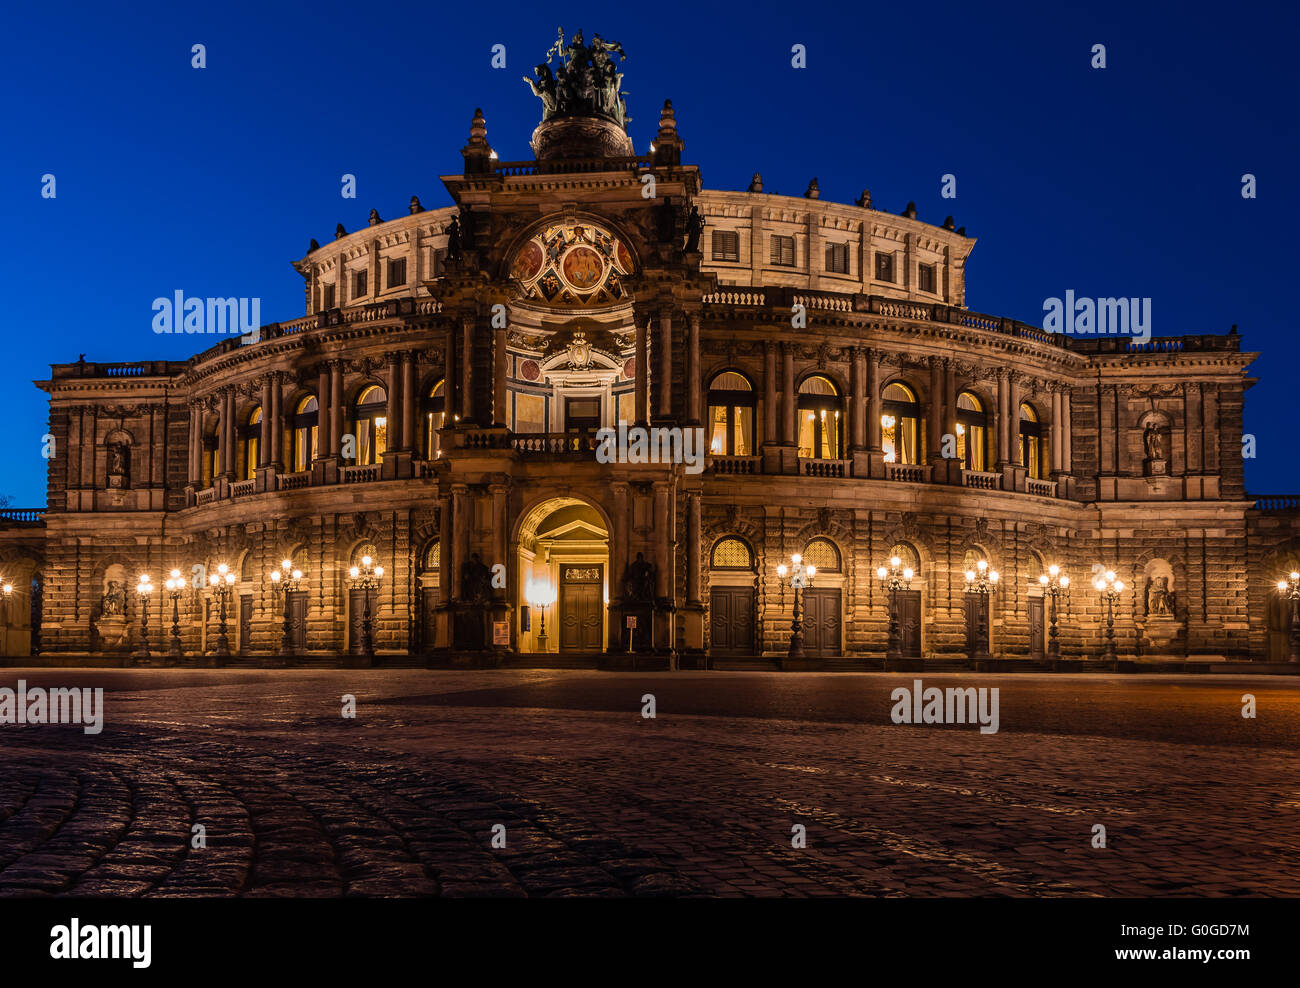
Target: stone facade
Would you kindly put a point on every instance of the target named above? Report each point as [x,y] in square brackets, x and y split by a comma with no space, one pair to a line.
[555,297]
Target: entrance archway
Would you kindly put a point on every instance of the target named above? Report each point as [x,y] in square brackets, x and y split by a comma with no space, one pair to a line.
[563,577]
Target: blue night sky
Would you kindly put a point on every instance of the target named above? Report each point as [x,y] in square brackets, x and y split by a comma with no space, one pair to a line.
[1117,182]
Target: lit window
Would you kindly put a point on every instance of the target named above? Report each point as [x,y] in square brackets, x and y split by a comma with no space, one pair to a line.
[972,432]
[819,419]
[303,434]
[731,415]
[371,425]
[1032,446]
[900,424]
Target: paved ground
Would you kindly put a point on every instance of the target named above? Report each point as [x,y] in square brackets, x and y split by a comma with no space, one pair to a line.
[598,801]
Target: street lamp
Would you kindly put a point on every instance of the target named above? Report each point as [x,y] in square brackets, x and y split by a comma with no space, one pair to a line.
[175,588]
[1110,588]
[541,596]
[366,578]
[1290,588]
[222,583]
[1055,585]
[984,582]
[893,579]
[286,580]
[797,576]
[144,588]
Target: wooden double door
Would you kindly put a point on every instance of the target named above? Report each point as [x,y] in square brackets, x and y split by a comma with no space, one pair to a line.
[821,621]
[582,607]
[731,620]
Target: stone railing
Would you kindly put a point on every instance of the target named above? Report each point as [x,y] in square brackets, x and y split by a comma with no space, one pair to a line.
[139,368]
[1043,488]
[735,296]
[912,473]
[825,468]
[242,489]
[830,301]
[292,481]
[554,442]
[363,474]
[1277,502]
[981,480]
[736,464]
[21,516]
[512,169]
[205,496]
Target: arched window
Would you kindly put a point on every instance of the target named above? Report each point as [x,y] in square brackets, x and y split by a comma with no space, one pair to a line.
[433,406]
[819,419]
[972,432]
[371,425]
[731,415]
[1032,445]
[366,548]
[731,553]
[302,434]
[971,560]
[822,554]
[900,419]
[250,434]
[431,563]
[908,556]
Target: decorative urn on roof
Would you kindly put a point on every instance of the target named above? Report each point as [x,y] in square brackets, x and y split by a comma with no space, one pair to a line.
[583,113]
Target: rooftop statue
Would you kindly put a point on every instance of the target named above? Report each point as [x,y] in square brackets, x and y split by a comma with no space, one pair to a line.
[586,81]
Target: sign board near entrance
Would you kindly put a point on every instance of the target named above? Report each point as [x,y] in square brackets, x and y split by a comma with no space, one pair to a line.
[500,632]
[631,620]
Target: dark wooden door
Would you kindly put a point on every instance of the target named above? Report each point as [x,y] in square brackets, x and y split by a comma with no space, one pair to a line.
[245,623]
[977,605]
[909,622]
[582,599]
[429,618]
[821,622]
[298,621]
[731,619]
[1037,637]
[356,615]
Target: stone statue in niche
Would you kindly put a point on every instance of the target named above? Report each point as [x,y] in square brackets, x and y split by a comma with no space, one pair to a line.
[694,227]
[475,581]
[113,602]
[119,466]
[1155,446]
[639,581]
[1160,599]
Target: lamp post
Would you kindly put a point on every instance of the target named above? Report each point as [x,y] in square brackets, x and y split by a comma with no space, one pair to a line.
[1110,588]
[366,578]
[175,589]
[286,580]
[1055,585]
[894,578]
[1290,588]
[541,596]
[222,583]
[143,589]
[798,577]
[983,582]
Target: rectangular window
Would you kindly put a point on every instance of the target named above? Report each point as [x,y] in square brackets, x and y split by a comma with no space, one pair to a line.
[359,284]
[885,267]
[726,245]
[396,272]
[925,277]
[783,251]
[837,258]
[327,302]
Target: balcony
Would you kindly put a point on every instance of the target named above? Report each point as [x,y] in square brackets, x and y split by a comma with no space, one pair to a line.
[981,480]
[911,473]
[1042,488]
[735,464]
[359,474]
[825,468]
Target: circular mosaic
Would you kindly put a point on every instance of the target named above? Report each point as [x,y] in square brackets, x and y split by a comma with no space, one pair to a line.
[528,262]
[583,268]
[530,370]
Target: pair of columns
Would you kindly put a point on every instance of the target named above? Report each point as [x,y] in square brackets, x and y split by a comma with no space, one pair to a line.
[663,374]
[864,426]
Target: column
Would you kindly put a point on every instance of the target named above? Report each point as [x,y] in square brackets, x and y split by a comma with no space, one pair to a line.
[499,526]
[1067,433]
[858,413]
[394,439]
[874,443]
[790,403]
[770,411]
[1005,445]
[694,410]
[228,432]
[664,346]
[462,511]
[664,539]
[264,440]
[467,410]
[338,412]
[693,549]
[1058,441]
[618,542]
[450,388]
[445,569]
[500,395]
[642,370]
[324,427]
[410,431]
[277,421]
[938,413]
[195,470]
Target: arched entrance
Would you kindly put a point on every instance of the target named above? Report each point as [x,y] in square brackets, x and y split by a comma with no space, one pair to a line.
[563,578]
